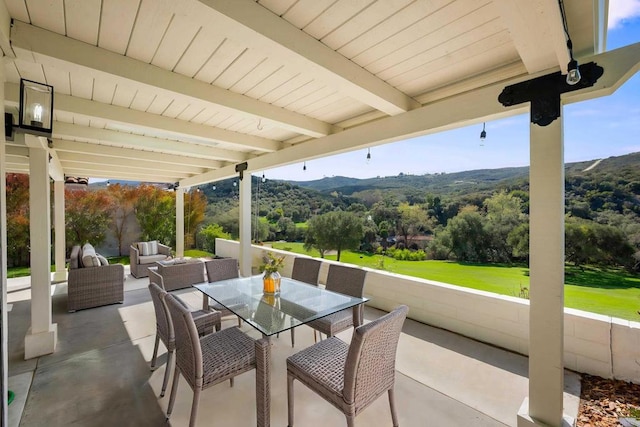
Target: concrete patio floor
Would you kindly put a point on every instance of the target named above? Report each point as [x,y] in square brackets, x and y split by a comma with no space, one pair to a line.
[99,374]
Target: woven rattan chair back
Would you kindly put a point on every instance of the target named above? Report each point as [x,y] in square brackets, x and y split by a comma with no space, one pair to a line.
[371,361]
[346,280]
[221,269]
[188,351]
[306,270]
[163,321]
[156,278]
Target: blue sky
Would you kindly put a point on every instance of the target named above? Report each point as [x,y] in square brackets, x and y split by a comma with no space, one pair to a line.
[599,128]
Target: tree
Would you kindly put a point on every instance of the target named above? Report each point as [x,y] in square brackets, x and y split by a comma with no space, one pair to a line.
[156,214]
[337,230]
[195,204]
[467,235]
[208,236]
[504,214]
[88,215]
[412,221]
[17,186]
[122,206]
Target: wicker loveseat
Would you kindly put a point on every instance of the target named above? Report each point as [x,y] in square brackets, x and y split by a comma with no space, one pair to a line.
[143,255]
[92,281]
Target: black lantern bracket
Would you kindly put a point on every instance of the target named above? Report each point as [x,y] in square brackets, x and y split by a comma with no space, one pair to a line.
[240,168]
[544,92]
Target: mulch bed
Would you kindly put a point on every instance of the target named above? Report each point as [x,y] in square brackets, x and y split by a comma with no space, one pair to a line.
[603,402]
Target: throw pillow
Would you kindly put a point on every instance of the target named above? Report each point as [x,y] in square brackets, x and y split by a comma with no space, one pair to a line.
[153,247]
[89,258]
[144,248]
[103,260]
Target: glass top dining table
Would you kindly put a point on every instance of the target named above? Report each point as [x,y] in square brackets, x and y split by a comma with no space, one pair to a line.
[296,304]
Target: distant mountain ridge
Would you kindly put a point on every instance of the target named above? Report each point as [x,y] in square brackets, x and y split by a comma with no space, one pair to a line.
[449,182]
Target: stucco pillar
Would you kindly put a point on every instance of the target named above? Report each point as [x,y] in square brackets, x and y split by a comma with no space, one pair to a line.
[544,406]
[60,274]
[4,338]
[180,222]
[42,336]
[245,225]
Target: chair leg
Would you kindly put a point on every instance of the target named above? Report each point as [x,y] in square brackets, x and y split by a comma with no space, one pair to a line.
[392,404]
[194,406]
[167,370]
[174,389]
[315,336]
[155,352]
[290,400]
[293,337]
[351,421]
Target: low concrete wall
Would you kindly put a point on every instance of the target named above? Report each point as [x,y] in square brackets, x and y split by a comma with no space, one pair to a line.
[594,344]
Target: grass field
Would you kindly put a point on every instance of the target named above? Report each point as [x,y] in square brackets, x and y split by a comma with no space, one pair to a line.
[609,292]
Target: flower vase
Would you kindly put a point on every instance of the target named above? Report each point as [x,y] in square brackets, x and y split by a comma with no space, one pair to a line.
[271,283]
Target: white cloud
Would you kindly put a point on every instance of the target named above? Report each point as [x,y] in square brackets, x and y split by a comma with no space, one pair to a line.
[621,11]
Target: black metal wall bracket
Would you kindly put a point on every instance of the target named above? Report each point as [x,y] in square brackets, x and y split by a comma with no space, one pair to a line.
[544,92]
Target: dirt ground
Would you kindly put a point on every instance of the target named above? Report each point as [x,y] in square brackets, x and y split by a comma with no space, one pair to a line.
[603,402]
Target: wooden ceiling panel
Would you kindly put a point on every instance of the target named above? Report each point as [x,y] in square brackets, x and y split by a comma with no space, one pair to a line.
[48,15]
[59,79]
[394,24]
[18,10]
[241,67]
[335,16]
[431,23]
[149,28]
[159,104]
[104,90]
[257,76]
[116,24]
[204,115]
[270,83]
[453,58]
[83,20]
[11,73]
[30,71]
[305,11]
[312,97]
[176,107]
[222,58]
[81,85]
[205,43]
[294,96]
[175,42]
[191,111]
[363,22]
[277,6]
[123,96]
[142,101]
[338,111]
[82,121]
[286,88]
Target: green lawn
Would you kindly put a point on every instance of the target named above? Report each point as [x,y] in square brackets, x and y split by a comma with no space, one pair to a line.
[609,292]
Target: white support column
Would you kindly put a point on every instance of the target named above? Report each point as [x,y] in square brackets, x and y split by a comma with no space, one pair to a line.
[42,336]
[544,406]
[180,222]
[60,274]
[4,337]
[245,225]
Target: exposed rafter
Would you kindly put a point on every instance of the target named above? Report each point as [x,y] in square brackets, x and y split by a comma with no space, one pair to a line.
[282,39]
[537,32]
[46,47]
[152,122]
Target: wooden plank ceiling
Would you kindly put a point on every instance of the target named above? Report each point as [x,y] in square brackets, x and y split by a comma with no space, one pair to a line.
[165,90]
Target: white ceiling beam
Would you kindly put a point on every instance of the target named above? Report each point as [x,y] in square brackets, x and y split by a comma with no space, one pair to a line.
[282,39]
[115,170]
[456,111]
[537,31]
[124,174]
[128,140]
[43,46]
[130,162]
[5,31]
[89,149]
[151,122]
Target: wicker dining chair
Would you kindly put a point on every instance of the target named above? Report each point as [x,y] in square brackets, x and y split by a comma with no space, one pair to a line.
[348,281]
[306,270]
[220,269]
[351,377]
[205,322]
[214,358]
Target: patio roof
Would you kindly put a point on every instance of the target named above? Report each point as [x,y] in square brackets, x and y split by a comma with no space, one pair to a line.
[181,91]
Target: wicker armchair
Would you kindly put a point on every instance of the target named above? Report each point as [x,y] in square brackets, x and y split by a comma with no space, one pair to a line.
[351,377]
[89,287]
[204,321]
[344,280]
[305,270]
[216,357]
[139,264]
[220,269]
